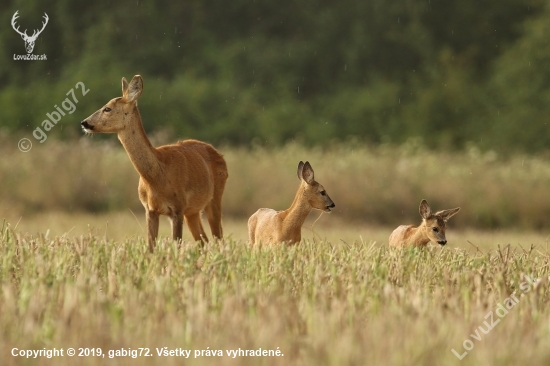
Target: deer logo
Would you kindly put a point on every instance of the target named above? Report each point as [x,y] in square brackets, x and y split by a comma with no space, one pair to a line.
[29,41]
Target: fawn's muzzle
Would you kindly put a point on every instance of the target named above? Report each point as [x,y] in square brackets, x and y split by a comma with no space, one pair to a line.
[442,242]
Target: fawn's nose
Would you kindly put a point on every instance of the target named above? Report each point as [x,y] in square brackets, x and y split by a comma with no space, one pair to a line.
[442,242]
[86,126]
[332,205]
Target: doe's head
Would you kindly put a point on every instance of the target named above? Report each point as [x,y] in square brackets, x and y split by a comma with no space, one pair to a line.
[314,192]
[116,115]
[435,223]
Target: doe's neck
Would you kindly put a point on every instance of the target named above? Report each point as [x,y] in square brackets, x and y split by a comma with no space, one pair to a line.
[140,150]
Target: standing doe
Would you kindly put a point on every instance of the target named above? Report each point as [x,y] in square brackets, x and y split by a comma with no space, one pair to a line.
[432,228]
[178,180]
[268,226]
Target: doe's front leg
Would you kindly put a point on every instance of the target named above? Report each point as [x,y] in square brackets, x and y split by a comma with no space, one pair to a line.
[177,227]
[152,228]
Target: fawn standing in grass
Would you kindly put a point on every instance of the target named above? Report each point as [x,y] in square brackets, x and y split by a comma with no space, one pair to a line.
[432,228]
[178,180]
[268,226]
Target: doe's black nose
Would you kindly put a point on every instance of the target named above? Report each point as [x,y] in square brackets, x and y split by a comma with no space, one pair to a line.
[85,125]
[442,242]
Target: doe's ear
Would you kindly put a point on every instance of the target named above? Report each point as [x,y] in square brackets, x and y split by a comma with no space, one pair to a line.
[300,167]
[133,89]
[425,210]
[447,214]
[307,173]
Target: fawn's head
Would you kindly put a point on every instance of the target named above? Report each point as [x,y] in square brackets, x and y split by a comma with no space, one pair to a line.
[315,193]
[434,223]
[117,114]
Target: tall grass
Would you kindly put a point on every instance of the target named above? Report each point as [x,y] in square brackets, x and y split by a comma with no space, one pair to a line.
[379,185]
[319,304]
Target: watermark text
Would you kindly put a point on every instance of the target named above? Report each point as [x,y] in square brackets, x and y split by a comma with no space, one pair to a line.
[68,106]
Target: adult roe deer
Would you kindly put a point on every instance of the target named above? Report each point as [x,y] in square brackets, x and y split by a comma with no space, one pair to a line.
[268,226]
[432,228]
[178,180]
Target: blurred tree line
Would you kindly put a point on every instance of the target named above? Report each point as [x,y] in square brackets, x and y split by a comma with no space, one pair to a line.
[451,72]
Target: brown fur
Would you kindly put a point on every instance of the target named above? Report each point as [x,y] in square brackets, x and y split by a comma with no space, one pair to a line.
[178,180]
[432,228]
[268,226]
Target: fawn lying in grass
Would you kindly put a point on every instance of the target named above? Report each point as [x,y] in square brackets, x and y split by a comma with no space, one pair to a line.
[432,228]
[268,226]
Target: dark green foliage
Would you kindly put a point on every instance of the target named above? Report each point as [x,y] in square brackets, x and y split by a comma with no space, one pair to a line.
[450,72]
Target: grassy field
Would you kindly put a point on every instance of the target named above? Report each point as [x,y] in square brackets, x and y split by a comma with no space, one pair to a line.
[379,186]
[124,225]
[323,302]
[74,270]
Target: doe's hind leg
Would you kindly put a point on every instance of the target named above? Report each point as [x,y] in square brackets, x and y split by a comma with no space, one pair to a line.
[214,215]
[194,224]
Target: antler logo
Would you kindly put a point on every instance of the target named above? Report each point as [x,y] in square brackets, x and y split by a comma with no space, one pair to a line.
[29,41]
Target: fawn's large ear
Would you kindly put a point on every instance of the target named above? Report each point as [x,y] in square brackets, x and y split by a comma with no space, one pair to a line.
[425,210]
[124,85]
[447,214]
[307,173]
[132,91]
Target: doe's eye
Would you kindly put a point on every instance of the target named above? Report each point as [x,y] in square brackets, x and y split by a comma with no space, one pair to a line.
[323,193]
[435,229]
[106,109]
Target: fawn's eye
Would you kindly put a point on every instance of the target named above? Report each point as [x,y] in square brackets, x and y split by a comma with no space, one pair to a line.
[106,109]
[323,193]
[435,229]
